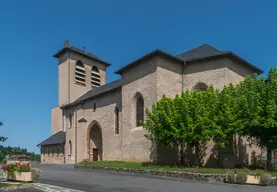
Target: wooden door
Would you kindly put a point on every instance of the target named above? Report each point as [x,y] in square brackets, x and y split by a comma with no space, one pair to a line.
[95,154]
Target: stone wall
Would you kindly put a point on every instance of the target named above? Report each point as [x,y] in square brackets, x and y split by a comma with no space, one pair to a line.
[53,154]
[141,79]
[57,119]
[104,117]
[175,174]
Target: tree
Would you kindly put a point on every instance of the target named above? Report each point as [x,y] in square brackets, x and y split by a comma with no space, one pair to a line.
[227,116]
[164,126]
[2,139]
[200,125]
[184,120]
[258,101]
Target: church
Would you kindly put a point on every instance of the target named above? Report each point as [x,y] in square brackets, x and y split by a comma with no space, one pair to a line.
[96,121]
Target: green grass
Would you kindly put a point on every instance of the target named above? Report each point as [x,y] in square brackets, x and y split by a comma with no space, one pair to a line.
[5,185]
[135,165]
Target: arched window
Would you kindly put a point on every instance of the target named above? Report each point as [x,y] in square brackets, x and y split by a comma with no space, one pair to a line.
[139,110]
[95,77]
[80,73]
[70,148]
[200,86]
[116,131]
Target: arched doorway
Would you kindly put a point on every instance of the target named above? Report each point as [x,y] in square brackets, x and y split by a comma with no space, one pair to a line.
[95,144]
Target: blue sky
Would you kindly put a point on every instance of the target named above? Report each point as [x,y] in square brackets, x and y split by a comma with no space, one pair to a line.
[118,32]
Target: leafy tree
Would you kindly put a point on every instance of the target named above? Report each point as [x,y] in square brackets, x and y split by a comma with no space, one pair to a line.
[227,117]
[184,120]
[2,139]
[16,151]
[258,101]
[227,112]
[200,125]
[163,124]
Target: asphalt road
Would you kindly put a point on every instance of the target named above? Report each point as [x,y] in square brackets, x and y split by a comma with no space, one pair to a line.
[103,181]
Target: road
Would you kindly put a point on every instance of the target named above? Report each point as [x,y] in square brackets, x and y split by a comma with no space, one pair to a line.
[103,181]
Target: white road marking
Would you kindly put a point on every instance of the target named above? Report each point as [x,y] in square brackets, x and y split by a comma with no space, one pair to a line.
[53,188]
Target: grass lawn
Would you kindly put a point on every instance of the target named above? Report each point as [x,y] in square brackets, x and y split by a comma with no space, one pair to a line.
[5,185]
[135,165]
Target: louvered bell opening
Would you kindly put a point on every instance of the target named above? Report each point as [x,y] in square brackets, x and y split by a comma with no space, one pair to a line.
[80,75]
[95,79]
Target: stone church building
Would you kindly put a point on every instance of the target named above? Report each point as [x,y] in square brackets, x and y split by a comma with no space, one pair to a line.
[95,120]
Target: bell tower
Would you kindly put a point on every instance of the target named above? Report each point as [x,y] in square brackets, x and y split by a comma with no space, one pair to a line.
[79,71]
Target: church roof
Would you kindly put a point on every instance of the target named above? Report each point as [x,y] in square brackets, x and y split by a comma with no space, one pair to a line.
[81,52]
[155,52]
[206,51]
[96,91]
[201,52]
[57,138]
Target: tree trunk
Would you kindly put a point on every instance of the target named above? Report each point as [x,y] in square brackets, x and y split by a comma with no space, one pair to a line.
[182,160]
[197,160]
[182,148]
[269,159]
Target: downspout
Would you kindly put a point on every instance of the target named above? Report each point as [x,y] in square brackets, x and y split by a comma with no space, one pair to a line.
[183,72]
[64,130]
[75,112]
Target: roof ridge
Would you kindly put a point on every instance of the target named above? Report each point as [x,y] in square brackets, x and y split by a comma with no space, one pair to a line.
[202,50]
[96,91]
[199,46]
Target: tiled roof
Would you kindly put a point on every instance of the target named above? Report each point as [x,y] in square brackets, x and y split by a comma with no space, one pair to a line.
[82,52]
[97,91]
[19,157]
[199,52]
[157,51]
[57,138]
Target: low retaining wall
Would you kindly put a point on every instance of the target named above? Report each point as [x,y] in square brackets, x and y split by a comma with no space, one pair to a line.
[175,174]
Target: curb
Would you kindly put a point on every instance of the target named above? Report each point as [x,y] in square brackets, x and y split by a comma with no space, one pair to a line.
[172,174]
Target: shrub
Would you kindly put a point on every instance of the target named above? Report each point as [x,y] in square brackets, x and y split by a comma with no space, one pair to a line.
[11,168]
[231,177]
[23,168]
[265,179]
[260,172]
[35,174]
[243,170]
[241,177]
